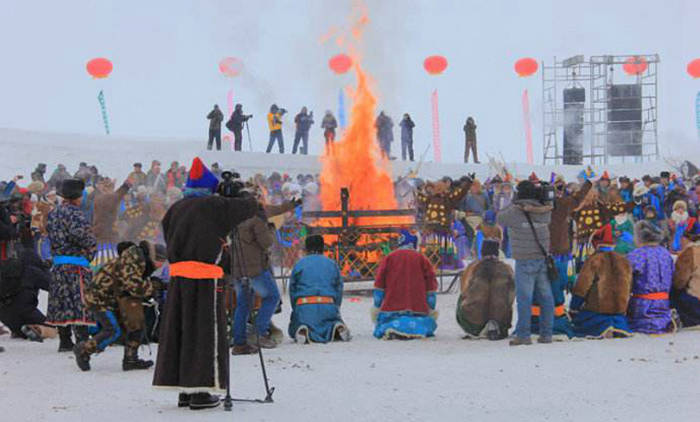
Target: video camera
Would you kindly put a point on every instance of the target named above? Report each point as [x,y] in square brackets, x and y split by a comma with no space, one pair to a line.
[246,117]
[282,111]
[230,186]
[545,193]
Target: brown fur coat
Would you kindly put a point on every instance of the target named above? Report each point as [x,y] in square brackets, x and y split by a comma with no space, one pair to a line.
[605,283]
[487,292]
[687,274]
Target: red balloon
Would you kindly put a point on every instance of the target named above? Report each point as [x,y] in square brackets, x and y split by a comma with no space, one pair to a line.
[526,67]
[435,65]
[635,65]
[340,63]
[694,68]
[99,68]
[230,66]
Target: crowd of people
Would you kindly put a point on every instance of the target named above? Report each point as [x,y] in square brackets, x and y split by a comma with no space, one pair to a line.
[302,127]
[595,257]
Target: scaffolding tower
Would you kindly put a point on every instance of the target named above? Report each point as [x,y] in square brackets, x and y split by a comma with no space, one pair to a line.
[598,75]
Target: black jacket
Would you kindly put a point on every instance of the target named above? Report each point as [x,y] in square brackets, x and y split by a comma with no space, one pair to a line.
[23,307]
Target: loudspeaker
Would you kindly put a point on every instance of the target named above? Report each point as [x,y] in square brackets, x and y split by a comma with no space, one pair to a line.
[625,120]
[574,104]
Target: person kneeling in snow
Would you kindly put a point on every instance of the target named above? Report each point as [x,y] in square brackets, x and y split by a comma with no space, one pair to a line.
[602,291]
[485,305]
[121,285]
[404,293]
[316,292]
[652,265]
[685,296]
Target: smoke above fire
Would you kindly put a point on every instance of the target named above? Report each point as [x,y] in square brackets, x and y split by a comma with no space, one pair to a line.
[355,161]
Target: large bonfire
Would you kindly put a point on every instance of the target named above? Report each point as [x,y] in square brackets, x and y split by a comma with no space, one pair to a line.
[355,161]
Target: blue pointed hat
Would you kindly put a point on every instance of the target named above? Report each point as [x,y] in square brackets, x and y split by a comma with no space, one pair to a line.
[201,177]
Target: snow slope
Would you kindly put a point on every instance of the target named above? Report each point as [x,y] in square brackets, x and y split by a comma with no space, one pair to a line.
[114,156]
[440,379]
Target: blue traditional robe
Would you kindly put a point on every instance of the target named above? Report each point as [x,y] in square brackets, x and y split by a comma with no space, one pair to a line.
[316,276]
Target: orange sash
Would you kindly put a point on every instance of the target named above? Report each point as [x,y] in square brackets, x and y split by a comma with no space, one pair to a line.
[308,300]
[196,270]
[653,296]
[558,311]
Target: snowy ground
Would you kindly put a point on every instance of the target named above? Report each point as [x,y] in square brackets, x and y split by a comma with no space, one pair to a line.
[440,379]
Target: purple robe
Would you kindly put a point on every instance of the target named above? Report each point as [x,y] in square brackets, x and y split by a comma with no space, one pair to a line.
[653,273]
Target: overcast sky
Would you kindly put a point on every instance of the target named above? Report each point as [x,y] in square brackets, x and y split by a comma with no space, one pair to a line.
[165,55]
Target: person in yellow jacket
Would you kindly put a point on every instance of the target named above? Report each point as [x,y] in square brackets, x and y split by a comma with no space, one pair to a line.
[274,121]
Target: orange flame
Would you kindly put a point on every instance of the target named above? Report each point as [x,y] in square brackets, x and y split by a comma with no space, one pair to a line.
[355,160]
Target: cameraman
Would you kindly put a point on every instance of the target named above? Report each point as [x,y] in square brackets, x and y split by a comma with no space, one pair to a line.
[527,242]
[303,120]
[235,125]
[274,121]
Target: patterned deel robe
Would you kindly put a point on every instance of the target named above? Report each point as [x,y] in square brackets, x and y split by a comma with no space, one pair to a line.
[122,276]
[70,234]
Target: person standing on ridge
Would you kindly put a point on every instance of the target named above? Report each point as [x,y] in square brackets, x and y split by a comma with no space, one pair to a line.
[470,140]
[215,118]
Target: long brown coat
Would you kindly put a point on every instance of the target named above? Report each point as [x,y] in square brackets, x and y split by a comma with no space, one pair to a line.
[605,283]
[192,354]
[687,274]
[559,241]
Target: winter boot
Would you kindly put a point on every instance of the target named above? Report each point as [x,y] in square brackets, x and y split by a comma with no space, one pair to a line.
[200,401]
[343,333]
[82,358]
[544,340]
[244,349]
[131,359]
[31,334]
[302,335]
[266,341]
[520,341]
[183,400]
[81,333]
[66,343]
[492,331]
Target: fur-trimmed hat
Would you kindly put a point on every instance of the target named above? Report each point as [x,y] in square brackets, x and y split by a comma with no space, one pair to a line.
[200,180]
[647,232]
[314,243]
[71,189]
[681,204]
[36,187]
[640,190]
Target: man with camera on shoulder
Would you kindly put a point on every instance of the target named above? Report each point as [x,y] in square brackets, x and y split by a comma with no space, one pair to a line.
[235,125]
[274,122]
[527,220]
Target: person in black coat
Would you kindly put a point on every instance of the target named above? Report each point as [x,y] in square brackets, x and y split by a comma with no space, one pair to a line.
[235,125]
[19,307]
[407,126]
[215,118]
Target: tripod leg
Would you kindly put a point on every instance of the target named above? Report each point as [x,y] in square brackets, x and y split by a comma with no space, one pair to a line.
[228,401]
[268,391]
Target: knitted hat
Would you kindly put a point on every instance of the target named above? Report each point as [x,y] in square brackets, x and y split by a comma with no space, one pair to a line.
[665,175]
[314,244]
[201,178]
[603,237]
[647,232]
[605,176]
[71,189]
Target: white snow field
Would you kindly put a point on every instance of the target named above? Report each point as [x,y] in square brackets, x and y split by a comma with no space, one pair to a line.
[444,378]
[441,379]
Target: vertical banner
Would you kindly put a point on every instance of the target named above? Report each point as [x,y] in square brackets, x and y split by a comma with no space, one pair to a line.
[341,109]
[697,112]
[437,150]
[103,108]
[528,128]
[229,107]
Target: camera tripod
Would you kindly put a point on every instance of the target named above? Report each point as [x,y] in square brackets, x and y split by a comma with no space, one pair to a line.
[247,289]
